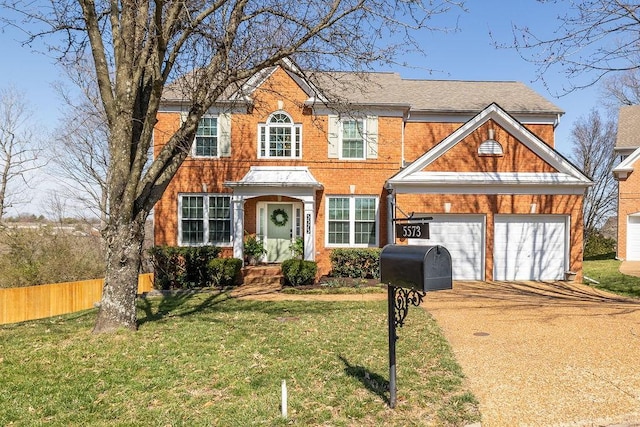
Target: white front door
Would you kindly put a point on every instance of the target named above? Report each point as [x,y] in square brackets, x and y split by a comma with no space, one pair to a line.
[280,225]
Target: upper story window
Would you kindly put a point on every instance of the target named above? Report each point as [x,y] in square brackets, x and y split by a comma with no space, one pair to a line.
[353,138]
[213,136]
[280,137]
[352,142]
[206,141]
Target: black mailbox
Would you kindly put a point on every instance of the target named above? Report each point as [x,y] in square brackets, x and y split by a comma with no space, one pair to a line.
[423,268]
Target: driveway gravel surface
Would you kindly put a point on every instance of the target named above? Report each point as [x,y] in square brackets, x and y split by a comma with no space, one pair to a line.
[544,354]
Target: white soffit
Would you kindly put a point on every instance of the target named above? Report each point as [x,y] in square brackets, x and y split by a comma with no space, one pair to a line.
[626,166]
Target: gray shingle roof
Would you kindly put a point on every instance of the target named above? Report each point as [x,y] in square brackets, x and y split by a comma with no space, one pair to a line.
[445,96]
[628,127]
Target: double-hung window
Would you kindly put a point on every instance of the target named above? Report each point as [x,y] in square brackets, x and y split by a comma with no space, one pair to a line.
[352,221]
[353,141]
[206,141]
[204,220]
[280,137]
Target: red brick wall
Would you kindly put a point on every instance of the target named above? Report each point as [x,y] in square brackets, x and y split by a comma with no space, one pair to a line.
[364,177]
[628,203]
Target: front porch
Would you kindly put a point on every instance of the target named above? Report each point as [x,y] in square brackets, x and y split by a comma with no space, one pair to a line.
[277,205]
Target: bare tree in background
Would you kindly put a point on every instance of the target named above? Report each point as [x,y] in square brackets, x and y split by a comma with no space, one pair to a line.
[593,138]
[622,89]
[593,39]
[19,152]
[139,46]
[80,151]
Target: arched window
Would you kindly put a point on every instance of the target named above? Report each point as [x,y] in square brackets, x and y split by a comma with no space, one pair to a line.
[280,137]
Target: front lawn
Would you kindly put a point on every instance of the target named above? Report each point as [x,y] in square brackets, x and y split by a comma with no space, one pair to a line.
[208,360]
[607,272]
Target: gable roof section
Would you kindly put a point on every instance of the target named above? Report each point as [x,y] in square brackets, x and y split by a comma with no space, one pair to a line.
[567,175]
[628,127]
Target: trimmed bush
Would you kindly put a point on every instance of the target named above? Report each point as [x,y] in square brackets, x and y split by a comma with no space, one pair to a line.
[298,272]
[356,263]
[182,267]
[224,271]
[599,247]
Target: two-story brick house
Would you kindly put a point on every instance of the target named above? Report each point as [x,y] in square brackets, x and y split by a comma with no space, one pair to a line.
[283,159]
[628,147]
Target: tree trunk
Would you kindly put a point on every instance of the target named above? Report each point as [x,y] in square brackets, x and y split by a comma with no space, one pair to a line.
[124,242]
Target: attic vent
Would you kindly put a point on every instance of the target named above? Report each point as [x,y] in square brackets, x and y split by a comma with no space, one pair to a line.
[490,147]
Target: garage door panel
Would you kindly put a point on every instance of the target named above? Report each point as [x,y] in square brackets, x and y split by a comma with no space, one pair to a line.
[463,236]
[633,238]
[529,247]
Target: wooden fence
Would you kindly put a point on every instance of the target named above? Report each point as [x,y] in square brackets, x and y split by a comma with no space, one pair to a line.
[37,302]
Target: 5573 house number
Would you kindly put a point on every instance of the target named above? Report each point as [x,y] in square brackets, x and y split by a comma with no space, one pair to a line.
[412,231]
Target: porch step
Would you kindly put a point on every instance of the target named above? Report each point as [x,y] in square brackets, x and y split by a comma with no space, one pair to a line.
[260,279]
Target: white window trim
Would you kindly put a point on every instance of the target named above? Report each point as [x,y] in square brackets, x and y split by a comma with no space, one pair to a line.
[193,144]
[352,204]
[341,136]
[296,145]
[205,219]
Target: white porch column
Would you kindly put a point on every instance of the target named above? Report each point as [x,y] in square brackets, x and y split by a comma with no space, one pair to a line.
[391,213]
[237,203]
[309,228]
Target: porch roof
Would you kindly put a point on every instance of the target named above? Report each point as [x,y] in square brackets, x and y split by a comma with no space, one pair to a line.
[277,176]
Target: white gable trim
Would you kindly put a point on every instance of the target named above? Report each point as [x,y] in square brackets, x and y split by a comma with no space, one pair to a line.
[626,166]
[511,125]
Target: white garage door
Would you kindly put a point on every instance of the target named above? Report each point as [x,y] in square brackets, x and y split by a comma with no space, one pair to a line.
[463,236]
[529,247]
[633,238]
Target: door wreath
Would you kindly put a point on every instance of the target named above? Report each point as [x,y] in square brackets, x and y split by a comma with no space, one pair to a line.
[279,217]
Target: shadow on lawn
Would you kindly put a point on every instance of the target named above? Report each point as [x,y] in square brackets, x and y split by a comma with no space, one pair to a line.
[177,305]
[372,381]
[170,306]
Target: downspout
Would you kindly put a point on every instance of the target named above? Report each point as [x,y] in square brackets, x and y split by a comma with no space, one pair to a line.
[391,213]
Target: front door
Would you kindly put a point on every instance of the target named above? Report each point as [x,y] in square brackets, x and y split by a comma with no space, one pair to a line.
[280,227]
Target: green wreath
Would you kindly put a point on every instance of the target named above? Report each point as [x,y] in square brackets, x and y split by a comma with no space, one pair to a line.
[279,217]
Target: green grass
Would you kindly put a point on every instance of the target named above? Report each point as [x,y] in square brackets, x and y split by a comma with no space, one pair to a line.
[205,360]
[607,273]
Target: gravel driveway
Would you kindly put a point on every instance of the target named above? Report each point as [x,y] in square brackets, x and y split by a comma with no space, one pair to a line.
[544,354]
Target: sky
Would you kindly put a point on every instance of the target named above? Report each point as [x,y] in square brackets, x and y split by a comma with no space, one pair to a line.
[468,54]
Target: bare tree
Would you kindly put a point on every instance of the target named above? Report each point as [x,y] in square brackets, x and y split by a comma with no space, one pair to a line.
[622,89]
[593,138]
[80,151]
[593,39]
[19,152]
[139,46]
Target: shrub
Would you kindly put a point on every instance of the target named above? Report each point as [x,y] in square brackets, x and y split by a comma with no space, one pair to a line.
[356,263]
[599,247]
[224,271]
[182,267]
[47,255]
[298,272]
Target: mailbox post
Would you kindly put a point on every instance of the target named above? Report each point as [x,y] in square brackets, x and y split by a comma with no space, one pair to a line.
[410,272]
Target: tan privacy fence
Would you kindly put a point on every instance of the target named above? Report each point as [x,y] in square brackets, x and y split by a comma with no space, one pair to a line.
[37,302]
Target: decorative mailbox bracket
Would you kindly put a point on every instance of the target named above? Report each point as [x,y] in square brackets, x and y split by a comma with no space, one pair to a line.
[409,272]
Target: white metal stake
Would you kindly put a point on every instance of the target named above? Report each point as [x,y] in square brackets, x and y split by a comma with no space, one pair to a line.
[284,399]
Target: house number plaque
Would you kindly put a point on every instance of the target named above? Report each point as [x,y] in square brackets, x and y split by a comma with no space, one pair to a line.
[412,231]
